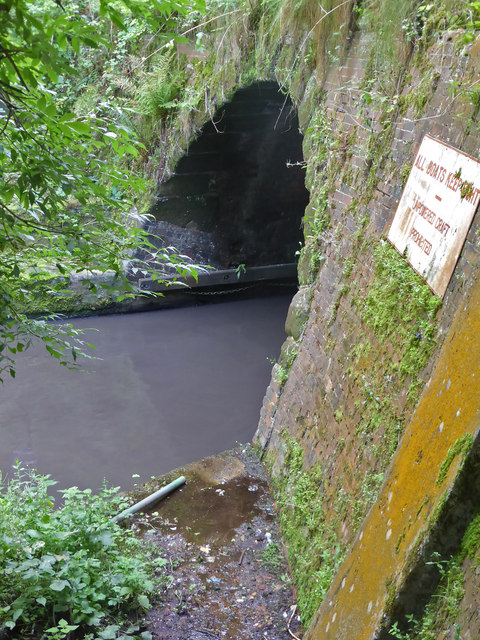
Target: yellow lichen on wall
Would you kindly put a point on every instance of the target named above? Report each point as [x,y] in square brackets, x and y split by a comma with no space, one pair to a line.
[415,485]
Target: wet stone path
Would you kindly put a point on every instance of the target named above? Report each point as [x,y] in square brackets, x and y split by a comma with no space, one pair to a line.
[225,574]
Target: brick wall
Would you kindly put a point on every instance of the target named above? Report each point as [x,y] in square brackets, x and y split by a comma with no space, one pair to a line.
[326,395]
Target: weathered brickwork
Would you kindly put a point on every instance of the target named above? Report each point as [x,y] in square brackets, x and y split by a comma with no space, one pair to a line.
[401,533]
[343,369]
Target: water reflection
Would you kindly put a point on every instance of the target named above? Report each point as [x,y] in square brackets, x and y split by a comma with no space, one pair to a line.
[171,386]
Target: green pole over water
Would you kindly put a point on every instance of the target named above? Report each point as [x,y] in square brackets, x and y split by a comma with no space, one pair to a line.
[151,499]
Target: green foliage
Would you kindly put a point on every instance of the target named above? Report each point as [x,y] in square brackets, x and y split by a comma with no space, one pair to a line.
[66,199]
[471,541]
[461,447]
[427,19]
[414,24]
[443,610]
[401,309]
[67,567]
[282,368]
[400,26]
[314,551]
[352,507]
[61,630]
[398,312]
[317,32]
[448,15]
[471,19]
[160,89]
[271,557]
[385,19]
[318,148]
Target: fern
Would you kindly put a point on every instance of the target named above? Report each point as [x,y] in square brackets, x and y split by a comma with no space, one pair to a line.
[159,88]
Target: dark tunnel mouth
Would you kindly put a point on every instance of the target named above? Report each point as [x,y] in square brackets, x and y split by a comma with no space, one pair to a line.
[238,196]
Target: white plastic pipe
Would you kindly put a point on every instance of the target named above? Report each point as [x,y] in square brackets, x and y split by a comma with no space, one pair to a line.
[151,499]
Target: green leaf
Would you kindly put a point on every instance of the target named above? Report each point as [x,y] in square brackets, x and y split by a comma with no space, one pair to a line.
[115,17]
[52,75]
[51,157]
[59,585]
[106,539]
[16,614]
[79,127]
[128,148]
[109,633]
[143,601]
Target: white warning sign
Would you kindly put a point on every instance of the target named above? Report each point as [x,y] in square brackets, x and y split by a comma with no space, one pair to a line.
[436,210]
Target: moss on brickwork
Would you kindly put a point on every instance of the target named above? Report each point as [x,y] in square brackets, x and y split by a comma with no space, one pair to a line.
[395,334]
[51,298]
[311,533]
[313,546]
[286,360]
[461,447]
[398,336]
[395,537]
[471,541]
[396,326]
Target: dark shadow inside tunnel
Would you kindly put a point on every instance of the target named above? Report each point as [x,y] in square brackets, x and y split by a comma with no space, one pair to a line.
[238,195]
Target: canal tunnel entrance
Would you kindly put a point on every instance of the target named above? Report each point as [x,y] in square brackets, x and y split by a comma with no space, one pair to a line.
[178,384]
[238,195]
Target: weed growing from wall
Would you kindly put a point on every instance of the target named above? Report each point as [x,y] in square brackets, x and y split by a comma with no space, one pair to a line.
[398,313]
[442,616]
[384,19]
[353,507]
[318,33]
[314,549]
[461,447]
[318,146]
[286,360]
[441,612]
[400,308]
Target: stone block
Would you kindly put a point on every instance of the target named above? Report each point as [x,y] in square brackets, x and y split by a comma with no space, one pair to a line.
[298,312]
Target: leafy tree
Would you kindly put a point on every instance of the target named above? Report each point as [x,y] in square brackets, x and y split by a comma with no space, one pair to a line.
[65,205]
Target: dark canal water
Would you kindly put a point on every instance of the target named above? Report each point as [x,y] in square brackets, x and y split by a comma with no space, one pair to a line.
[171,387]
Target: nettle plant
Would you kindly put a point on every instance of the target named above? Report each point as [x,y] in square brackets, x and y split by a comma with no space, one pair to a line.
[70,572]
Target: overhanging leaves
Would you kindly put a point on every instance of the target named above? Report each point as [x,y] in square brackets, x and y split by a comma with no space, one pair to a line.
[66,202]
